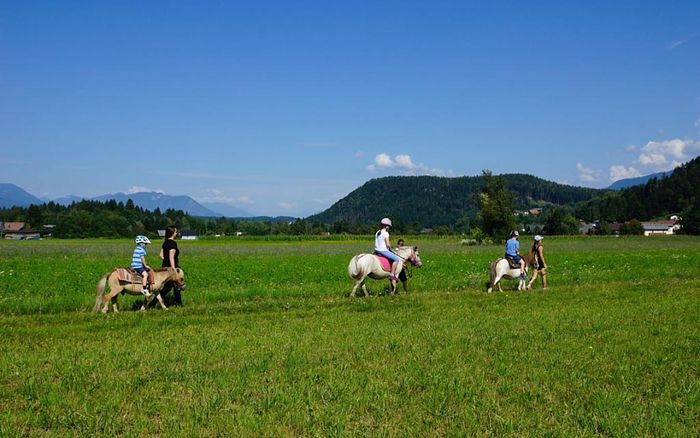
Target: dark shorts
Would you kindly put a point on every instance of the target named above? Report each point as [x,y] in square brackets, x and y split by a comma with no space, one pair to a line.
[516,258]
[140,270]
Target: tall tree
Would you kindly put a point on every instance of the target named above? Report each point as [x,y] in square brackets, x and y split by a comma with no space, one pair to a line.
[497,207]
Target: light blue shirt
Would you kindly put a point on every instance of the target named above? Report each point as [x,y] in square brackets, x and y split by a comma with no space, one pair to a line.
[136,262]
[512,247]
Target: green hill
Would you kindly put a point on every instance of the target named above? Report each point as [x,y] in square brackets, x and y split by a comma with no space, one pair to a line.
[678,193]
[430,201]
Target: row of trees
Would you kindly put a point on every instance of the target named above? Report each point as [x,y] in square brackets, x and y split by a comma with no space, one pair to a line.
[485,207]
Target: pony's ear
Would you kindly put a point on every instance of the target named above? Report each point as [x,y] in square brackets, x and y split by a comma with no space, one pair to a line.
[415,248]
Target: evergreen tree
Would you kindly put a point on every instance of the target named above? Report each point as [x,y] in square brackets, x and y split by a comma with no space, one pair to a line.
[497,207]
[560,221]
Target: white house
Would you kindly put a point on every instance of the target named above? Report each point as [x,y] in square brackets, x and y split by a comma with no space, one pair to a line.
[661,228]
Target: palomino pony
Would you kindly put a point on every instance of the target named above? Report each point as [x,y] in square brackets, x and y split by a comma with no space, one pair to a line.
[162,277]
[368,265]
[501,269]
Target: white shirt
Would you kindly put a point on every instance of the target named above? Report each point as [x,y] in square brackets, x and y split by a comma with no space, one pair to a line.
[380,239]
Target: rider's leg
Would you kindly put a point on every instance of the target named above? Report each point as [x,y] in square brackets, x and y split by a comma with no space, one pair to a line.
[144,284]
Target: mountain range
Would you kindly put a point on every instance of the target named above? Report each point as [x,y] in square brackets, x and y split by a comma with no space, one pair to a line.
[631,182]
[14,196]
[447,198]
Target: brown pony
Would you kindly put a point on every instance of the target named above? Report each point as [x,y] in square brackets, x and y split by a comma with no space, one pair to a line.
[502,269]
[162,277]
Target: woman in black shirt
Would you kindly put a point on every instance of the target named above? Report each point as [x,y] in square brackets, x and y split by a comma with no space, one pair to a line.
[170,254]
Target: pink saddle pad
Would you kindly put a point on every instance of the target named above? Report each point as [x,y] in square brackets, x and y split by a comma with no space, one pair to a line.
[385,262]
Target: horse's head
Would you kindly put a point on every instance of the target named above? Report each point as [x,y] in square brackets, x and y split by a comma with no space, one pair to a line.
[178,278]
[414,258]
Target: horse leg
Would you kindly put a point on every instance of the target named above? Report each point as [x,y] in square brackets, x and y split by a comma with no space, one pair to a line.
[161,302]
[110,297]
[357,284]
[392,287]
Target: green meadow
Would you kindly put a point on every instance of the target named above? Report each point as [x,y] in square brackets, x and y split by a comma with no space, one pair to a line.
[268,343]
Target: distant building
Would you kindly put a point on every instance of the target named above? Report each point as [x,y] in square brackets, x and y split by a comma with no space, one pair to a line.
[188,235]
[661,228]
[14,230]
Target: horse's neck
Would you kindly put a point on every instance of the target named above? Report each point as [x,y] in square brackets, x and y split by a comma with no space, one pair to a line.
[404,252]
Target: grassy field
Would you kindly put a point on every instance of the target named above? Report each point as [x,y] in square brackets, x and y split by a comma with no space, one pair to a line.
[268,343]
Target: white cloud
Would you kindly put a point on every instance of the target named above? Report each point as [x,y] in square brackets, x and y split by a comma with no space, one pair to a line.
[139,189]
[676,44]
[666,155]
[404,164]
[287,205]
[219,196]
[587,175]
[618,172]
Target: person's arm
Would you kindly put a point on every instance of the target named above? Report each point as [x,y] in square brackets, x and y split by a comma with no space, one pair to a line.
[388,244]
[171,257]
[160,254]
[143,261]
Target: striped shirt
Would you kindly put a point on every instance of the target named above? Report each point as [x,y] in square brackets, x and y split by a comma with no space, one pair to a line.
[139,252]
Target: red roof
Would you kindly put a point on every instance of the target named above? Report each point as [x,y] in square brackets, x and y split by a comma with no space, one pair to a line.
[14,226]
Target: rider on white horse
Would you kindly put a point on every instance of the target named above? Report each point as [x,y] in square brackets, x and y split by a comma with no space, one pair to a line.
[513,252]
[382,246]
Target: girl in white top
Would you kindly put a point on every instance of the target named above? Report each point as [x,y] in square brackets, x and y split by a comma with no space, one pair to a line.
[383,246]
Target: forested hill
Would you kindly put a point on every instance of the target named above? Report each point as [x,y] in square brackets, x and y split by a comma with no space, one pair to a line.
[429,201]
[677,194]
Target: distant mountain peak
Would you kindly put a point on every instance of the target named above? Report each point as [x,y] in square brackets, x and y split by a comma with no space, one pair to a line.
[14,196]
[631,182]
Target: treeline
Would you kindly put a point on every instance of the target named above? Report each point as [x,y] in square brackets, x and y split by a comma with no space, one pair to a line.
[677,194]
[111,219]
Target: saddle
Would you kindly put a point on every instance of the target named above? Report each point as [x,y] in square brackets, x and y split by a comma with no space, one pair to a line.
[385,262]
[512,263]
[127,275]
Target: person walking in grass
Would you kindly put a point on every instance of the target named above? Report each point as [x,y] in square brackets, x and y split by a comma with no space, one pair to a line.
[402,275]
[540,264]
[170,256]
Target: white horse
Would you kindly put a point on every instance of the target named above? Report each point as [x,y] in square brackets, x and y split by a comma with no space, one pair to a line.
[501,269]
[368,265]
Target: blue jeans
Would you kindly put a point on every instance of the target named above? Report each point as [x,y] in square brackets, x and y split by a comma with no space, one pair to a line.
[390,255]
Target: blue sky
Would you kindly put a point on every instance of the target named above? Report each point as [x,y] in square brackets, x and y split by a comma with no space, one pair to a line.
[282,108]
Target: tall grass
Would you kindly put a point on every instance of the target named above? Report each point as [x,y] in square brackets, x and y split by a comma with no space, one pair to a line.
[268,343]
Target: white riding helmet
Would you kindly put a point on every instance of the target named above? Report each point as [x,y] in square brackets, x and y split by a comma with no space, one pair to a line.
[386,221]
[538,238]
[142,239]
[515,233]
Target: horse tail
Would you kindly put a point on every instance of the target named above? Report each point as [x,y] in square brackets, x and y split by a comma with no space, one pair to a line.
[492,274]
[99,298]
[354,268]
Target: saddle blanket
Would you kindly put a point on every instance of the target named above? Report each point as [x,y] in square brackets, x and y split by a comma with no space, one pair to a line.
[385,262]
[512,263]
[128,276]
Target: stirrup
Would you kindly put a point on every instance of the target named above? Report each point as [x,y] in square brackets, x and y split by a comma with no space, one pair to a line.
[393,277]
[146,293]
